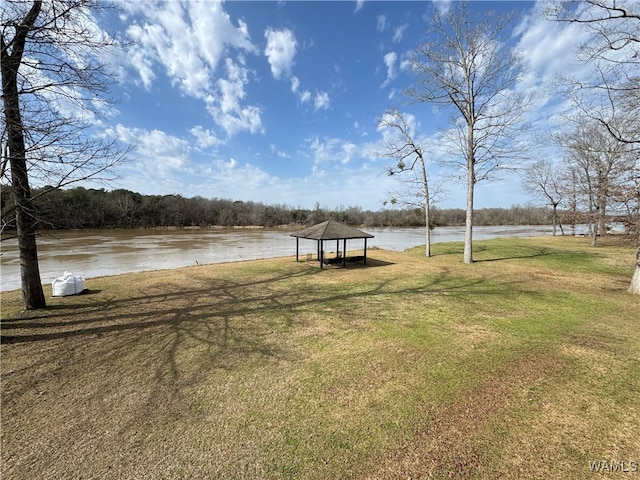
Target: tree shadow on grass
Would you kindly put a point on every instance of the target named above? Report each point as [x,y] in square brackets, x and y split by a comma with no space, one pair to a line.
[221,324]
[217,300]
[533,253]
[163,355]
[479,250]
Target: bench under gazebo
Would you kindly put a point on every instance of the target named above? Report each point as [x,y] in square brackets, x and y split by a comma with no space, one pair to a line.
[330,231]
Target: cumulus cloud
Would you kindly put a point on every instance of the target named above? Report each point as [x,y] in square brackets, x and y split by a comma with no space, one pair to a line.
[321,101]
[280,51]
[226,108]
[305,96]
[295,83]
[188,41]
[205,138]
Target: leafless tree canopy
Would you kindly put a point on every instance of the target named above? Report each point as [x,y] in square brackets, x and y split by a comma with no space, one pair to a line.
[409,156]
[544,182]
[612,96]
[63,84]
[54,91]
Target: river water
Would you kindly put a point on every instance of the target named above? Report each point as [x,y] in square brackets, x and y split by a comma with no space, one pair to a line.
[95,253]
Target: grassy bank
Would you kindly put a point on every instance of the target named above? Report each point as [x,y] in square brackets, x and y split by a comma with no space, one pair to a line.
[524,364]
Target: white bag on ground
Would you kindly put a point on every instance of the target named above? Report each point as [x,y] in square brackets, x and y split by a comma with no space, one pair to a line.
[68,284]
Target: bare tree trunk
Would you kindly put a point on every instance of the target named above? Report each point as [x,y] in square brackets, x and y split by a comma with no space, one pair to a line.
[471,181]
[428,232]
[427,218]
[32,292]
[635,280]
[468,232]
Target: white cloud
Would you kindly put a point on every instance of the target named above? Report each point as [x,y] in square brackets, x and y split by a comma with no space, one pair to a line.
[381,23]
[305,96]
[332,151]
[443,6]
[157,153]
[144,66]
[164,163]
[405,64]
[189,40]
[213,31]
[548,49]
[359,5]
[390,62]
[295,83]
[278,153]
[205,138]
[193,30]
[321,101]
[225,107]
[280,51]
[398,33]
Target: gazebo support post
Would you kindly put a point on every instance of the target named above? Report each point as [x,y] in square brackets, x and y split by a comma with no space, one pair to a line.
[297,247]
[344,253]
[365,252]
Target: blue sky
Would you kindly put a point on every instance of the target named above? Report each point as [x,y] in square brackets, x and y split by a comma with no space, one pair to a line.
[280,102]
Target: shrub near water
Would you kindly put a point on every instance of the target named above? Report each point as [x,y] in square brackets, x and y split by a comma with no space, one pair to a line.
[408,367]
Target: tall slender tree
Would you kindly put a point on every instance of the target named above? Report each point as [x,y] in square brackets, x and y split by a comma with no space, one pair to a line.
[54,84]
[409,157]
[469,70]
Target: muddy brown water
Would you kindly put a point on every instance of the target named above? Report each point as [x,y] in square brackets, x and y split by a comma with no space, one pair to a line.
[95,253]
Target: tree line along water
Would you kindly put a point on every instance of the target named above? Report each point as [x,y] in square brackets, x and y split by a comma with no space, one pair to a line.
[98,208]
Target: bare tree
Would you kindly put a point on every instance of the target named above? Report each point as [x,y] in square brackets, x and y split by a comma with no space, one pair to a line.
[612,98]
[601,163]
[408,154]
[470,71]
[543,180]
[54,87]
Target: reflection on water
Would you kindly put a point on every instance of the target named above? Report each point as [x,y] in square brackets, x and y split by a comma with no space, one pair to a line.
[94,253]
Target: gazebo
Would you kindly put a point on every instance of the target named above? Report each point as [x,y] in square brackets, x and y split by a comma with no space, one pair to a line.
[331,230]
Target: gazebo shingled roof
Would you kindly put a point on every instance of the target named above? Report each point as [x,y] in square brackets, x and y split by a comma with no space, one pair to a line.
[331,230]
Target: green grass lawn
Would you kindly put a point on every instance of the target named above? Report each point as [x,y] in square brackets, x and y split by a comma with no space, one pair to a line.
[525,364]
